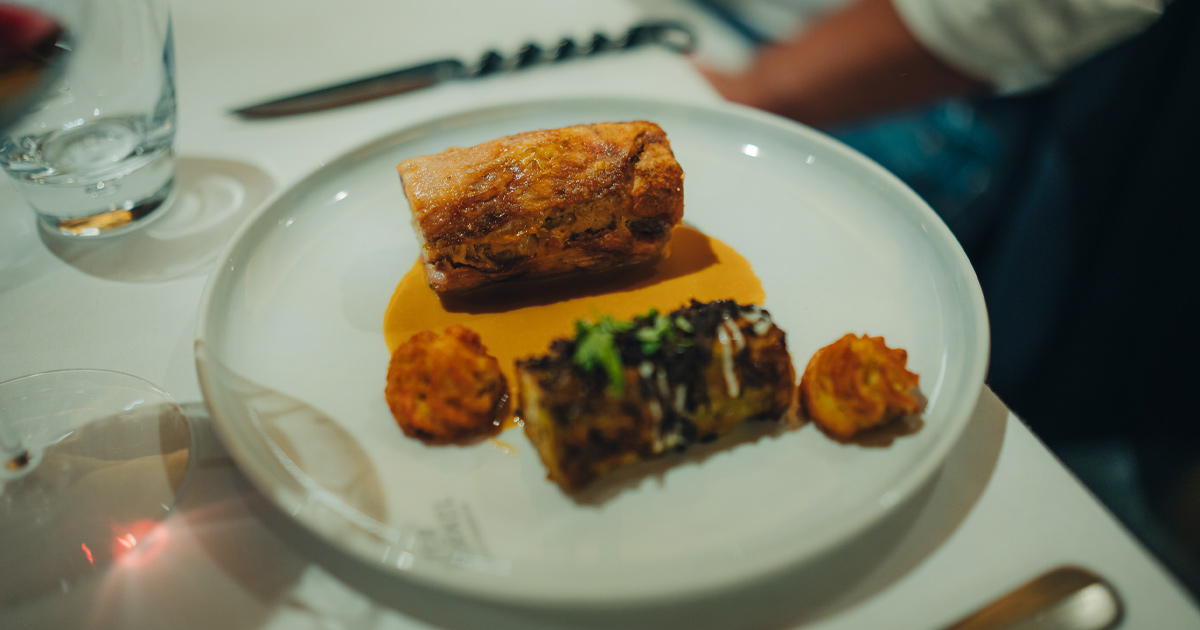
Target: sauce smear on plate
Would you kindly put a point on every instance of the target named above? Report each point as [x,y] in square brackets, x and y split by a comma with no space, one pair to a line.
[520,320]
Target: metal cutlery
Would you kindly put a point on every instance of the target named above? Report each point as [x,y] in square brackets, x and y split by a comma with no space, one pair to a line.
[671,35]
[1065,598]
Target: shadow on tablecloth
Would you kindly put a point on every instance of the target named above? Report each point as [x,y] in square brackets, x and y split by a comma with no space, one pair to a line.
[213,198]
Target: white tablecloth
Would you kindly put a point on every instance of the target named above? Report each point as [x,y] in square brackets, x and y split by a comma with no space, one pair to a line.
[1002,509]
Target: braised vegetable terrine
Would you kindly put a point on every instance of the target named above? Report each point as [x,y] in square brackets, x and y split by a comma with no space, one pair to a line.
[624,391]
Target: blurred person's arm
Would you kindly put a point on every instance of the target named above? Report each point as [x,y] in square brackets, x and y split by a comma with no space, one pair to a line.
[879,56]
[855,62]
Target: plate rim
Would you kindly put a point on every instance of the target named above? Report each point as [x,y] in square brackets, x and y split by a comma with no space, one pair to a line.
[490,587]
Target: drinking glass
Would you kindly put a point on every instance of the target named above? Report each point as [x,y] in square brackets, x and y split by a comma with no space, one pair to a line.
[90,464]
[95,156]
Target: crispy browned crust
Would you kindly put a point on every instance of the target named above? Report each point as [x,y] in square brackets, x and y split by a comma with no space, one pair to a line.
[857,383]
[446,388]
[544,203]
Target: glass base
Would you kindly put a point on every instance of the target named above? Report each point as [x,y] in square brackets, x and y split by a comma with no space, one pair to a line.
[92,461]
[114,221]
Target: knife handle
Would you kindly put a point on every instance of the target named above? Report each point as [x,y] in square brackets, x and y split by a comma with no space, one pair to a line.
[674,36]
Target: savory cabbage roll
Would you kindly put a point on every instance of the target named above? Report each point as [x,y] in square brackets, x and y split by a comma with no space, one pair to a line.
[544,203]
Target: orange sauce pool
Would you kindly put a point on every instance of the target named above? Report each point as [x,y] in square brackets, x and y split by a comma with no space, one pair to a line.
[520,320]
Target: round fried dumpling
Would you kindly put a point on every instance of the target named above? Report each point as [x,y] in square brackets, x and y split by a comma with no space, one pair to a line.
[857,383]
[446,388]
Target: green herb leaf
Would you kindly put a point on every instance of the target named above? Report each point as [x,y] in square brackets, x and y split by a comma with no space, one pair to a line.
[595,348]
[660,331]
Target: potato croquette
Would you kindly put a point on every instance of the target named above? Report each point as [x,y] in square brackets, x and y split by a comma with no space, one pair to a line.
[857,383]
[446,388]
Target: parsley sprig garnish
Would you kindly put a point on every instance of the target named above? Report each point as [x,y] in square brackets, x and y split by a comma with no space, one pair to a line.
[596,348]
[663,330]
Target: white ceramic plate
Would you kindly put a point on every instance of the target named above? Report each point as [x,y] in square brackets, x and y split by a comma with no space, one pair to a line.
[292,362]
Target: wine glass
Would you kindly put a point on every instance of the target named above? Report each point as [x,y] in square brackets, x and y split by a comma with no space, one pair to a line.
[90,460]
[33,44]
[90,463]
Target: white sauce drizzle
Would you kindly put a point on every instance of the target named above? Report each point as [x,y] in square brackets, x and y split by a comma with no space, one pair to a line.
[732,387]
[674,438]
[656,409]
[759,318]
[735,334]
[647,371]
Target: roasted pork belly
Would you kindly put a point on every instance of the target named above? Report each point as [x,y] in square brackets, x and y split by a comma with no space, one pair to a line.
[544,203]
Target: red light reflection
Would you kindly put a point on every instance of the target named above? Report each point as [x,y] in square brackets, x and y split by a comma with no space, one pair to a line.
[87,552]
[147,537]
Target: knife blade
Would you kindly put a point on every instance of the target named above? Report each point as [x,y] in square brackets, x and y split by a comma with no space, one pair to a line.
[358,90]
[672,35]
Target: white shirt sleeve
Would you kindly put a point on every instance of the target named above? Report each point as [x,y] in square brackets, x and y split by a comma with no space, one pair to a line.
[1017,45]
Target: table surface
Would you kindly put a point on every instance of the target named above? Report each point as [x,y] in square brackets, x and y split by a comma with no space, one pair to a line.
[1000,511]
